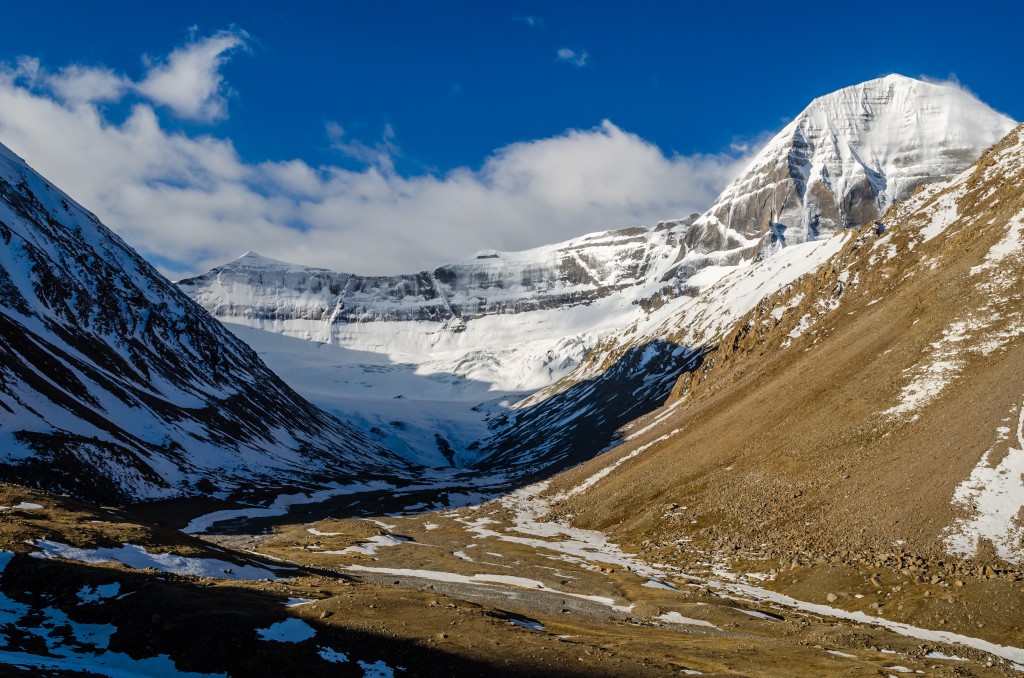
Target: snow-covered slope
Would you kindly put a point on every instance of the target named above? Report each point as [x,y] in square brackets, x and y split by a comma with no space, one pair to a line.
[114,385]
[399,353]
[508,323]
[842,161]
[886,381]
[539,301]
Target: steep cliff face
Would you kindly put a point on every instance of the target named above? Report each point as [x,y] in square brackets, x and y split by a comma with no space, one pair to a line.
[116,386]
[842,161]
[254,288]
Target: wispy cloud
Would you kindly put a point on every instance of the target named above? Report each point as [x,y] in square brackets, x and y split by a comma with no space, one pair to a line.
[189,81]
[571,56]
[72,84]
[192,201]
[380,154]
[531,21]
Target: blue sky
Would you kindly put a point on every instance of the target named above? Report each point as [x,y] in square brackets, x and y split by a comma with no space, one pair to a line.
[397,101]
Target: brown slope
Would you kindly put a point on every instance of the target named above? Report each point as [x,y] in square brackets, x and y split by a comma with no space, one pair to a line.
[783,445]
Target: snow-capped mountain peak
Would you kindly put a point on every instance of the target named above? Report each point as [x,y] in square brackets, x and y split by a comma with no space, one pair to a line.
[843,160]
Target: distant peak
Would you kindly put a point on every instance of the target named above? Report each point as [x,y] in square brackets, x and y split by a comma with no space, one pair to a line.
[10,155]
[252,258]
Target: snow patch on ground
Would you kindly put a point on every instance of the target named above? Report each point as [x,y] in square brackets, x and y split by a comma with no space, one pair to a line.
[370,546]
[71,646]
[287,631]
[94,594]
[377,669]
[658,584]
[485,580]
[281,505]
[935,654]
[676,618]
[842,654]
[137,557]
[332,656]
[1012,244]
[993,498]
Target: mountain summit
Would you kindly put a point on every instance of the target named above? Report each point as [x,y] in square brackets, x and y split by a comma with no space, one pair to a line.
[846,158]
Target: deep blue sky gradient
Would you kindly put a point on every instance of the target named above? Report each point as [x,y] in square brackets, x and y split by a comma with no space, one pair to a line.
[457,80]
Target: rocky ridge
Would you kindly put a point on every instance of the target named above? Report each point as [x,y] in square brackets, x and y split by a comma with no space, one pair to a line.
[118,387]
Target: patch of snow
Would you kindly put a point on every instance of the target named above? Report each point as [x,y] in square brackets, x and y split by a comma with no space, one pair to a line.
[281,505]
[318,533]
[527,624]
[94,594]
[992,497]
[377,669]
[73,646]
[658,584]
[485,580]
[332,656]
[756,614]
[138,557]
[676,618]
[381,524]
[290,630]
[370,546]
[1011,244]
[841,654]
[779,311]
[935,654]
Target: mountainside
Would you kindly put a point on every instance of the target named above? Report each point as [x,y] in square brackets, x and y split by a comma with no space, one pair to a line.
[579,271]
[842,161]
[502,324]
[116,386]
[413,358]
[883,390]
[561,291]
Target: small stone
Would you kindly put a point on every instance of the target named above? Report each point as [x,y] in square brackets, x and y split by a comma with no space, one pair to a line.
[831,597]
[325,614]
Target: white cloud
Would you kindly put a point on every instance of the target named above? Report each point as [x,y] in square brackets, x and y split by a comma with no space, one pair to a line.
[189,82]
[83,84]
[193,203]
[578,59]
[380,154]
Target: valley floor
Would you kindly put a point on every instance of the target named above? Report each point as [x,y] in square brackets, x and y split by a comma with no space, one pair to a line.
[490,588]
